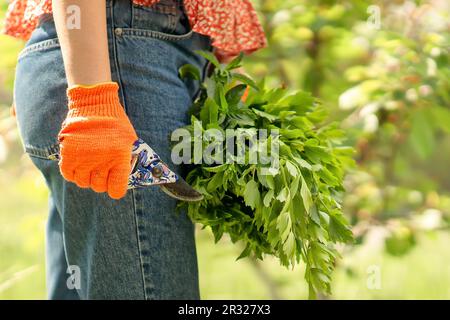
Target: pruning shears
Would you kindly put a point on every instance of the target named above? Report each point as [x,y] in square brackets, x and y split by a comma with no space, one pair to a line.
[149,170]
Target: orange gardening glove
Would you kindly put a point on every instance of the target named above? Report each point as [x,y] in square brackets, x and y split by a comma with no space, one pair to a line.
[96,140]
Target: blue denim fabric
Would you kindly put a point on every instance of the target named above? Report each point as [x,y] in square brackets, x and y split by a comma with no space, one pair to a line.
[138,247]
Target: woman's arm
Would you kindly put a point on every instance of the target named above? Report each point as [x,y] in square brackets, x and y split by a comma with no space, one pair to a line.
[84,49]
[96,138]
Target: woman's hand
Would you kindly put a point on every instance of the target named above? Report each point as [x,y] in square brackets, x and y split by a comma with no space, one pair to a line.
[96,140]
[224,58]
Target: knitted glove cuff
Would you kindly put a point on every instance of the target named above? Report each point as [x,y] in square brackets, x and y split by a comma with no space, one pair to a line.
[97,100]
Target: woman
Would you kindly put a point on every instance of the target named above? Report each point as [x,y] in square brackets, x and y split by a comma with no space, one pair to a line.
[93,77]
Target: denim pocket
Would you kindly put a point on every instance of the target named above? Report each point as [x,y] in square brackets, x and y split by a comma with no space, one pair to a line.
[39,95]
[165,17]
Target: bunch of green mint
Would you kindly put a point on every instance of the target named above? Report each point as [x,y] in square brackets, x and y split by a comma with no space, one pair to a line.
[291,211]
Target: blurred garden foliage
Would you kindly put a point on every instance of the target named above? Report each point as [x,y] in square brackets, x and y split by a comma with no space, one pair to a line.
[382,67]
[382,70]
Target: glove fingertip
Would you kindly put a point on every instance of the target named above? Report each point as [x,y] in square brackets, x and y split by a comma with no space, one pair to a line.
[118,182]
[68,173]
[117,193]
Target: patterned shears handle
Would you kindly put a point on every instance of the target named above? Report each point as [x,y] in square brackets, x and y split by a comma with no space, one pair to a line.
[147,169]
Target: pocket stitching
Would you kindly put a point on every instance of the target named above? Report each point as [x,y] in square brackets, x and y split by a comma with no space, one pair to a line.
[156,8]
[42,152]
[39,46]
[143,33]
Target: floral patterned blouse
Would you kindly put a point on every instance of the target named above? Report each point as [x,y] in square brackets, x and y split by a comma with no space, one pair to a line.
[232,24]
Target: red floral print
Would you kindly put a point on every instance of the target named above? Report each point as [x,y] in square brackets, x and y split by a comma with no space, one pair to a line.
[232,24]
